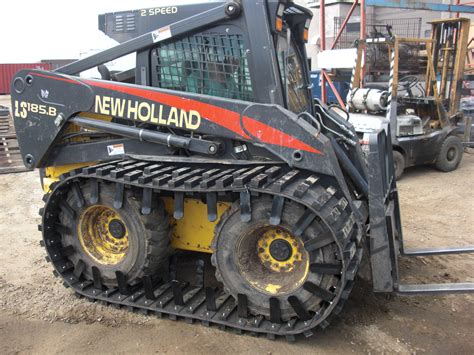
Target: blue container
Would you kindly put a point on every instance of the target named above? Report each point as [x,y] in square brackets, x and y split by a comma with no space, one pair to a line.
[341,84]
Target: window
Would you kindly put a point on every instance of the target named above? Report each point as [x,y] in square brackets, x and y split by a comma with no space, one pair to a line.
[292,77]
[209,63]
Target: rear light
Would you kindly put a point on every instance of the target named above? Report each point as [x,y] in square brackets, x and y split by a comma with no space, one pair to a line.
[279,24]
[279,18]
[306,30]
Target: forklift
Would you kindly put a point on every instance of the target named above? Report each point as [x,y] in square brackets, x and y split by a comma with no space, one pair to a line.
[423,109]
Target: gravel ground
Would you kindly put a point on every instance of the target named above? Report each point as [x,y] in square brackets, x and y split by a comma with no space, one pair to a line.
[38,315]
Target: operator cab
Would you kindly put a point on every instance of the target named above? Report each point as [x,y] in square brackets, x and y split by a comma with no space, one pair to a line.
[223,60]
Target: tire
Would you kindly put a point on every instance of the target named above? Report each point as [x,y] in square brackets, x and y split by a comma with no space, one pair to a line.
[148,236]
[450,154]
[234,273]
[399,164]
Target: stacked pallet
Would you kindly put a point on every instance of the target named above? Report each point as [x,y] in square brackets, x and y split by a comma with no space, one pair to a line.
[10,157]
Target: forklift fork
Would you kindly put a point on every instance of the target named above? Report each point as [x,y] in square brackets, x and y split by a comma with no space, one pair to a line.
[386,237]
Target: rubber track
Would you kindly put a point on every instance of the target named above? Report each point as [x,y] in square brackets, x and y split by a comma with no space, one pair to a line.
[179,299]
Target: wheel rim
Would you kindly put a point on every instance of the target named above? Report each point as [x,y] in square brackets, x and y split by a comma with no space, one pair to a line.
[272,260]
[103,235]
[451,154]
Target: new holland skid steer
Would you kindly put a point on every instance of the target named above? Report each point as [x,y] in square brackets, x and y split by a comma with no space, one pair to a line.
[205,183]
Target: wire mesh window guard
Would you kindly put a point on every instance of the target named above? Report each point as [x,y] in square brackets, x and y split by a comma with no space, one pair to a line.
[410,27]
[208,63]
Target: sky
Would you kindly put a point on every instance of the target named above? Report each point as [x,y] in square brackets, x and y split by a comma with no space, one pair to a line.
[32,30]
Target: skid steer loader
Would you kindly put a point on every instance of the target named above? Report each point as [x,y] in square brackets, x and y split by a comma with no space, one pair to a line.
[205,183]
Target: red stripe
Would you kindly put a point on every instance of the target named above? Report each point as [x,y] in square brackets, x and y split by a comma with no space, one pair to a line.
[271,135]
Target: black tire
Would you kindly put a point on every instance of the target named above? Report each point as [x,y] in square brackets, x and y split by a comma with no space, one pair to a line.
[399,164]
[450,154]
[148,235]
[229,233]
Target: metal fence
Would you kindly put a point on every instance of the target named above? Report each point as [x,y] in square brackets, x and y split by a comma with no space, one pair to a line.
[410,27]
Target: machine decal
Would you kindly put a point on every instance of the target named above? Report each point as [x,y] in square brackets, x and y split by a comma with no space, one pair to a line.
[146,112]
[23,108]
[115,149]
[159,11]
[161,34]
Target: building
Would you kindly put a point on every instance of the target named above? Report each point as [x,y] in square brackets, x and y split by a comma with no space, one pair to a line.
[404,22]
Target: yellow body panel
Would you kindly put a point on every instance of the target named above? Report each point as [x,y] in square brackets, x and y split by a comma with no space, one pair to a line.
[52,173]
[194,231]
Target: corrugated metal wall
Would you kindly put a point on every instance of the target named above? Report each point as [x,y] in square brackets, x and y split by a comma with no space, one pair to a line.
[7,71]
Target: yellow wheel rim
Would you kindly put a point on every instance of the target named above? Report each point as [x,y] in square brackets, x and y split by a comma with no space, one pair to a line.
[272,260]
[292,247]
[103,234]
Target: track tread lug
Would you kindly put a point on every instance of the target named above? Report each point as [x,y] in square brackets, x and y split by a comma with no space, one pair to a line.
[245,206]
[243,179]
[211,201]
[331,269]
[152,168]
[148,288]
[211,299]
[94,191]
[78,194]
[275,311]
[284,181]
[317,243]
[305,185]
[161,180]
[104,171]
[305,220]
[147,201]
[178,298]
[123,287]
[97,277]
[119,192]
[277,209]
[132,176]
[242,305]
[178,205]
[258,181]
[299,308]
[319,291]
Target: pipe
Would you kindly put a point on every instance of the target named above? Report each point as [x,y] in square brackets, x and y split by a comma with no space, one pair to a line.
[363,35]
[322,46]
[333,88]
[350,168]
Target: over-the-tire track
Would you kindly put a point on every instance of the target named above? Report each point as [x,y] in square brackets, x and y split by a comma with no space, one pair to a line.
[196,302]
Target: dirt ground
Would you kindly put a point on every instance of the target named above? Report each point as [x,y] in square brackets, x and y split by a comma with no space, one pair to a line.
[38,315]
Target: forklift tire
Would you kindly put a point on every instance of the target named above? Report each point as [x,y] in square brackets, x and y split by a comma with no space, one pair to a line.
[450,154]
[399,164]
